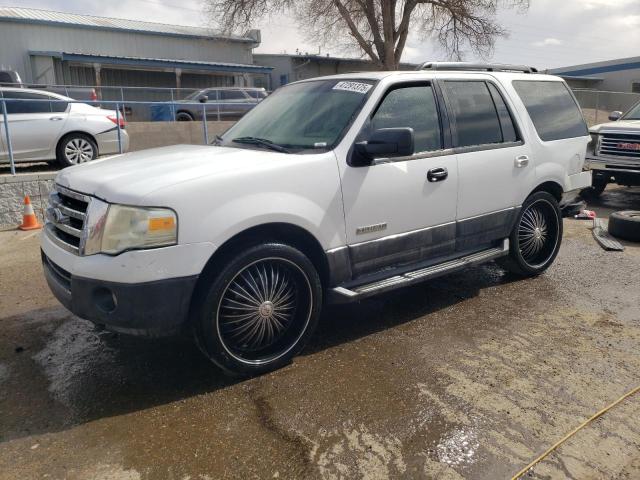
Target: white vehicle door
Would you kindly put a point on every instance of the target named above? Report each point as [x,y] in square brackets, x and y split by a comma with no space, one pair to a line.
[35,123]
[402,210]
[494,165]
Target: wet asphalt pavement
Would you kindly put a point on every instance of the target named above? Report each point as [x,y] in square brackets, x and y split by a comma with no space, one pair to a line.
[468,376]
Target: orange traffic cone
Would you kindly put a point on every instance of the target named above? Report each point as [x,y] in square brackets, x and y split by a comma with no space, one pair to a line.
[29,219]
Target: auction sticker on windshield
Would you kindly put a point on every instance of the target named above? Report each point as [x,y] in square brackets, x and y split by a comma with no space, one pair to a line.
[356,87]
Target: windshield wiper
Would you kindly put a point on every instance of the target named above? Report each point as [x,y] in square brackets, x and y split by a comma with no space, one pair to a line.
[263,142]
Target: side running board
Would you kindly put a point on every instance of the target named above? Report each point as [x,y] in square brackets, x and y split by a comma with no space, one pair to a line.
[342,294]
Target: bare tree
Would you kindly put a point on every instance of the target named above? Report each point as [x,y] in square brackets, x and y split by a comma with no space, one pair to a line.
[379,28]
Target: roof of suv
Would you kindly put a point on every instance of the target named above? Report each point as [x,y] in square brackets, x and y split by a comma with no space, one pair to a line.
[438,73]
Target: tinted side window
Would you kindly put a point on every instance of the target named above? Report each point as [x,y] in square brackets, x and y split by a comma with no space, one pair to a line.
[232,95]
[57,105]
[509,133]
[474,113]
[24,106]
[414,107]
[554,112]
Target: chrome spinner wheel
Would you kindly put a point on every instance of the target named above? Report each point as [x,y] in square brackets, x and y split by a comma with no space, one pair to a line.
[538,233]
[78,150]
[264,310]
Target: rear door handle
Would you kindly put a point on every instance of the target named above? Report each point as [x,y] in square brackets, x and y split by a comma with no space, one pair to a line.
[437,174]
[522,161]
[55,119]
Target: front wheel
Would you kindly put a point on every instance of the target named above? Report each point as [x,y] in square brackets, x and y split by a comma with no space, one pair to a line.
[259,310]
[536,237]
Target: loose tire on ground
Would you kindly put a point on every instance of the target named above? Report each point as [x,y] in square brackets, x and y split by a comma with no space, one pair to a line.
[259,309]
[76,148]
[536,236]
[625,225]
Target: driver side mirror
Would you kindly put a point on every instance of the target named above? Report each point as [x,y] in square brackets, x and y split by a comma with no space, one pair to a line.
[615,116]
[203,98]
[384,143]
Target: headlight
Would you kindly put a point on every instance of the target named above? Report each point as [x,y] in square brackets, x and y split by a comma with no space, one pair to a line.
[594,145]
[124,228]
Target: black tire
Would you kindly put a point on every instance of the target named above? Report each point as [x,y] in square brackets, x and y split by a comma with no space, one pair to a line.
[259,310]
[536,236]
[76,148]
[184,117]
[625,225]
[595,190]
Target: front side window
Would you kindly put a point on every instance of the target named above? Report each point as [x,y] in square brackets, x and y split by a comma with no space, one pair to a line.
[306,115]
[473,113]
[633,114]
[24,105]
[552,109]
[412,106]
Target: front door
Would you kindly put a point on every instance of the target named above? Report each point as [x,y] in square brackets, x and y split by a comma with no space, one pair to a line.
[400,211]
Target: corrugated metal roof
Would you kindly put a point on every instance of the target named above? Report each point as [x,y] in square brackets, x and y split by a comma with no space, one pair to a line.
[33,15]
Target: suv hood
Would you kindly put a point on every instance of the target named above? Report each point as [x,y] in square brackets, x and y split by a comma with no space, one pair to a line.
[130,177]
[617,126]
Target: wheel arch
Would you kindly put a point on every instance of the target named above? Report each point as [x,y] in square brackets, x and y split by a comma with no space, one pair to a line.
[550,186]
[287,233]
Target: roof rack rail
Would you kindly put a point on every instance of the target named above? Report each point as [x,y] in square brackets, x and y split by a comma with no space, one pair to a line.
[467,66]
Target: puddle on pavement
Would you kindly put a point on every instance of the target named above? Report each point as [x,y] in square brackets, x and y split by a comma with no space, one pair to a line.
[74,350]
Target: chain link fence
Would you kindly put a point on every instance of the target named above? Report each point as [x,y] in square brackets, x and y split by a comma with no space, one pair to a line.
[597,105]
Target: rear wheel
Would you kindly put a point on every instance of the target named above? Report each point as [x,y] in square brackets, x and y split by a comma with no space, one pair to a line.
[76,148]
[184,117]
[259,310]
[536,236]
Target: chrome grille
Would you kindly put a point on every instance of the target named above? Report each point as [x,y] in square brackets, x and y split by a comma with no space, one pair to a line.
[620,145]
[65,218]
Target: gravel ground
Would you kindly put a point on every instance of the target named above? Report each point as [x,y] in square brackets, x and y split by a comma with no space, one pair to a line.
[467,376]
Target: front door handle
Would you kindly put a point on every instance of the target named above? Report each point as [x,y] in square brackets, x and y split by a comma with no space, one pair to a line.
[437,174]
[522,161]
[55,119]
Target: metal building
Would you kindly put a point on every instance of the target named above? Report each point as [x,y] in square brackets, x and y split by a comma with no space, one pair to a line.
[620,75]
[47,47]
[289,68]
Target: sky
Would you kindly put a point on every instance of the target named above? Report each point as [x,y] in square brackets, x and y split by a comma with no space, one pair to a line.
[552,33]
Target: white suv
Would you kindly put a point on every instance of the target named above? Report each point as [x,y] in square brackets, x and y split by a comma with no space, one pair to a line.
[331,189]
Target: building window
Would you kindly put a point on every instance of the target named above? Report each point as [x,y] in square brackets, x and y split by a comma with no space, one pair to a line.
[284,79]
[635,87]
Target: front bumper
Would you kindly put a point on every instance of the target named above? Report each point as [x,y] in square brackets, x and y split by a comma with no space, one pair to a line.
[154,308]
[623,173]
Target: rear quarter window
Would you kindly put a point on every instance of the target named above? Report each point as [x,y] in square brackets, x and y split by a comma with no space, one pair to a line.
[552,108]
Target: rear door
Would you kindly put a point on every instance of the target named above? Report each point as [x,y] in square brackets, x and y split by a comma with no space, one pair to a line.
[494,164]
[35,123]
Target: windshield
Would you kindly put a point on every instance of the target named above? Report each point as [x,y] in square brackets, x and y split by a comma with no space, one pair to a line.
[634,113]
[303,115]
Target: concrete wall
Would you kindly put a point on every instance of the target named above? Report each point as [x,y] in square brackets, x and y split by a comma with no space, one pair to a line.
[12,192]
[143,135]
[17,39]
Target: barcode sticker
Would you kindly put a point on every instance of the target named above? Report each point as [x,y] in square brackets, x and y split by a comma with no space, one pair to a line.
[355,87]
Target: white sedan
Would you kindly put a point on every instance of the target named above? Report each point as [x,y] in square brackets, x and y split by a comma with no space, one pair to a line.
[44,126]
